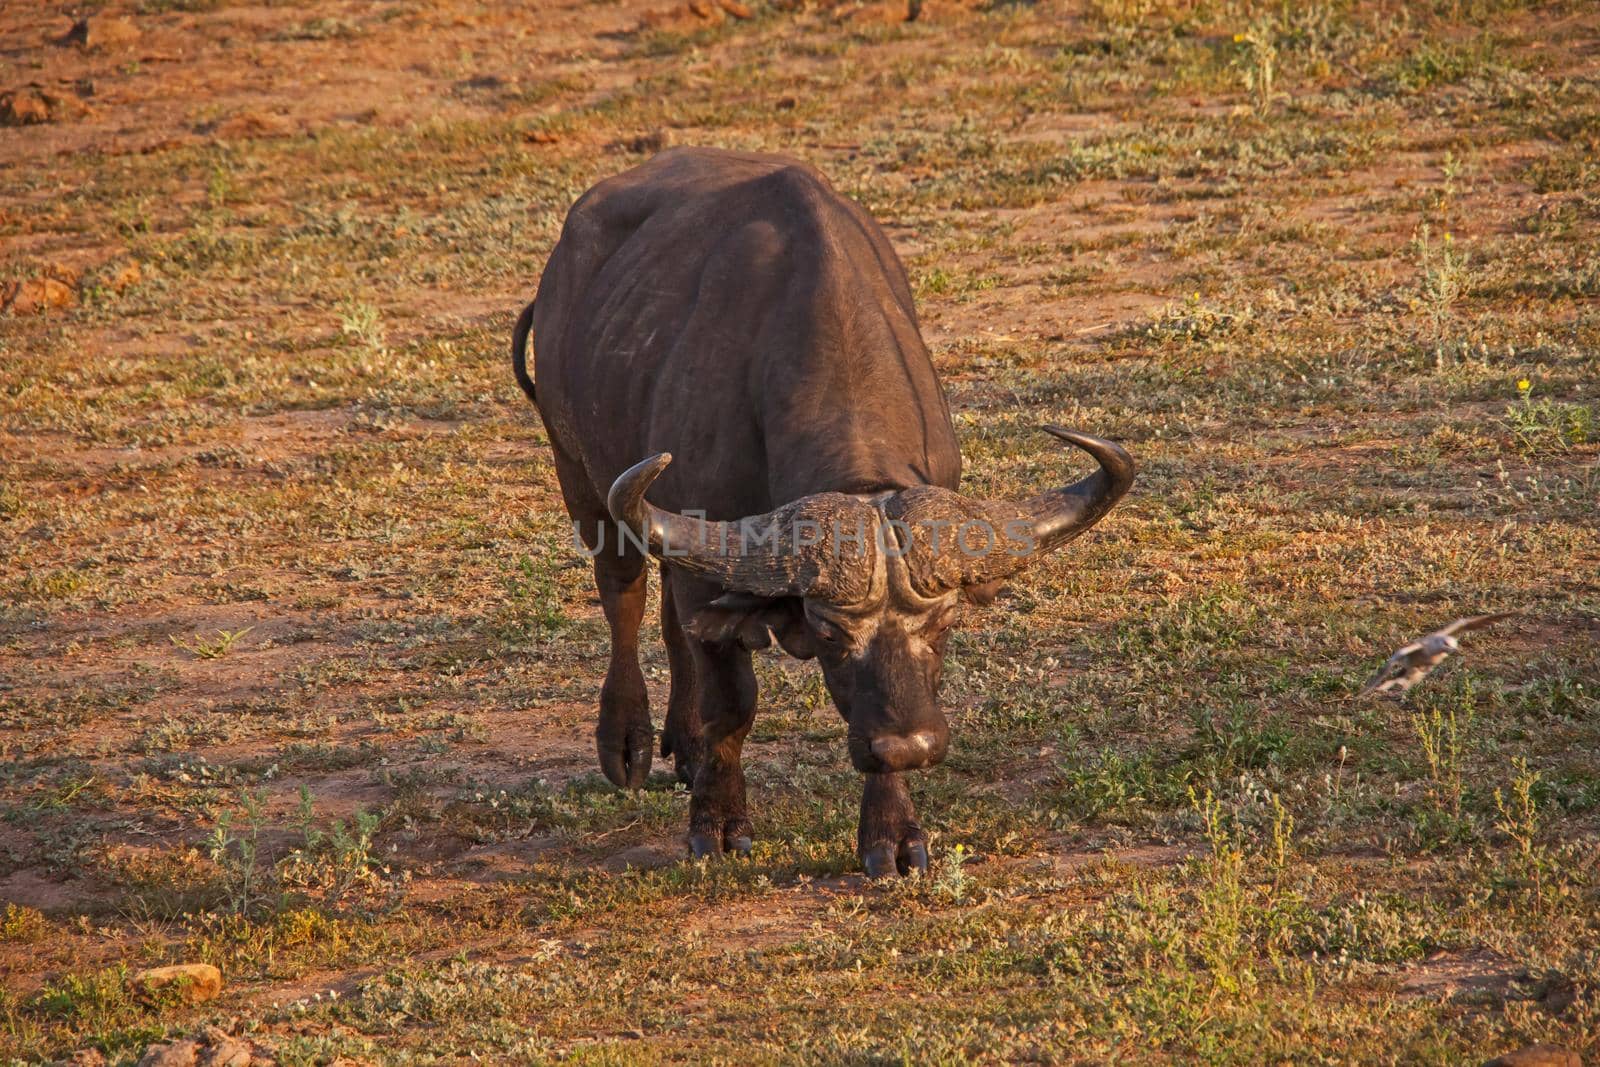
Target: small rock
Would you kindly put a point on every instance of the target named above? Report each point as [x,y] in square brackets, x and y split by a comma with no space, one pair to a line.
[192,982]
[737,10]
[1540,1055]
[56,287]
[37,294]
[33,105]
[233,1054]
[102,31]
[704,9]
[129,275]
[23,107]
[211,1047]
[84,1057]
[223,1049]
[177,1054]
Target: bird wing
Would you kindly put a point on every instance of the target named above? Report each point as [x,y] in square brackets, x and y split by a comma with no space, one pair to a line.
[1394,668]
[1472,622]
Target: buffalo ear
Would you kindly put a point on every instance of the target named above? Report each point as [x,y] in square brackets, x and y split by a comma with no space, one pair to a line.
[982,595]
[731,618]
[752,622]
[788,624]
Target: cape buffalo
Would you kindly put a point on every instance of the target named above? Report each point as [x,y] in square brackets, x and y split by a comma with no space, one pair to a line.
[732,310]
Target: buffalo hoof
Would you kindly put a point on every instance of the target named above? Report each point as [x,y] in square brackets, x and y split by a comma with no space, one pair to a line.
[684,753]
[625,760]
[889,841]
[704,844]
[886,858]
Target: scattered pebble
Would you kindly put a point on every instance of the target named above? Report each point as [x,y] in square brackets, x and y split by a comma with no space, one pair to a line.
[102,31]
[129,275]
[84,1057]
[37,294]
[211,1047]
[34,105]
[195,981]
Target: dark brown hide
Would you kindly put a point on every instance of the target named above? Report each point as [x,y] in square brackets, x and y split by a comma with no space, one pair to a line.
[732,310]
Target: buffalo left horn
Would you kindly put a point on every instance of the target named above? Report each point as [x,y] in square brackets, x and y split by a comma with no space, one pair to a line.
[1056,516]
[957,540]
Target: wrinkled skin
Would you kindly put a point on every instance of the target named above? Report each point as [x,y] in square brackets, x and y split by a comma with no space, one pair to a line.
[734,310]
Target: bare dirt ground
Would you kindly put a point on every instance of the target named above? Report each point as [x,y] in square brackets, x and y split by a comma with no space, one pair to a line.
[298,668]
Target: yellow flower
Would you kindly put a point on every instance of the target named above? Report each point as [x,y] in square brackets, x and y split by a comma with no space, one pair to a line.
[1238,37]
[1523,385]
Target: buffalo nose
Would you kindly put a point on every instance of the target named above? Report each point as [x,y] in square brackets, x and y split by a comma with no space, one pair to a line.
[909,751]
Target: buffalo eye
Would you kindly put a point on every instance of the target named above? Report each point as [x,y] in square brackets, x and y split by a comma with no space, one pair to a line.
[830,634]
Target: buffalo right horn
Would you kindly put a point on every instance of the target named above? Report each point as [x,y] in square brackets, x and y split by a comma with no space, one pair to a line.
[792,550]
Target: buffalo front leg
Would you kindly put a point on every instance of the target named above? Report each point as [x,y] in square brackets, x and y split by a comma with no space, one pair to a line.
[718,819]
[680,736]
[623,735]
[888,838]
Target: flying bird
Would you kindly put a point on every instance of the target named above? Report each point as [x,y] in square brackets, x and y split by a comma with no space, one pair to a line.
[1412,663]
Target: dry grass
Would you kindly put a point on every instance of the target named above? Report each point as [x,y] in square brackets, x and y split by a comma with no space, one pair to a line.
[297,670]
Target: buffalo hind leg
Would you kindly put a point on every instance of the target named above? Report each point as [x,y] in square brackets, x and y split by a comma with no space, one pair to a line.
[680,736]
[718,819]
[888,838]
[623,735]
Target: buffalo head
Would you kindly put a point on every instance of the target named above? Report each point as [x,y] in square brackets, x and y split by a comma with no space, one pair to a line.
[869,585]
